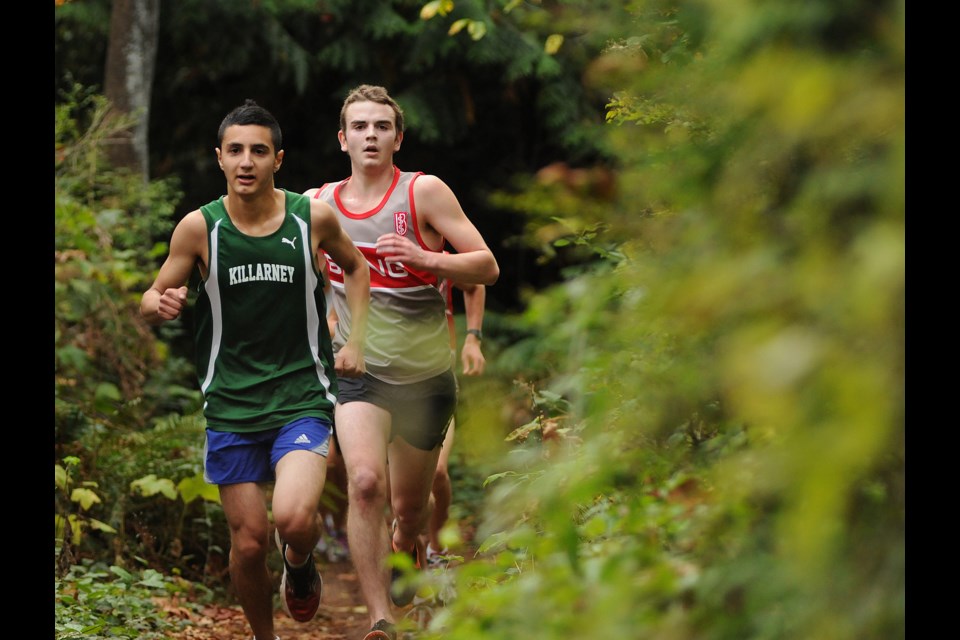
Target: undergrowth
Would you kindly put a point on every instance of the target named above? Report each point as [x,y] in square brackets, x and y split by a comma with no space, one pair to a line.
[96,601]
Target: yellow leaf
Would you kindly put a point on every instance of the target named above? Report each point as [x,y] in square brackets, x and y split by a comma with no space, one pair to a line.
[150,485]
[431,9]
[85,497]
[59,522]
[76,529]
[196,487]
[60,477]
[101,526]
[477,29]
[553,43]
[457,26]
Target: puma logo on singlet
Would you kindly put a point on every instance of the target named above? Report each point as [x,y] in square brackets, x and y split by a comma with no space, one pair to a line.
[291,241]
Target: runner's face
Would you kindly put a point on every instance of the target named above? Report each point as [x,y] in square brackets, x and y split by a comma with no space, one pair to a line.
[371,137]
[248,159]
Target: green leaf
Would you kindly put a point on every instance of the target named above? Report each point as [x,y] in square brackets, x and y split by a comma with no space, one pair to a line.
[151,485]
[100,526]
[493,541]
[594,527]
[106,396]
[60,477]
[477,29]
[76,528]
[59,523]
[152,578]
[497,476]
[523,431]
[122,573]
[84,497]
[196,487]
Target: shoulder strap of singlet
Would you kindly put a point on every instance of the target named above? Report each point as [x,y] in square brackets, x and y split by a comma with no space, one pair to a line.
[297,204]
[413,211]
[320,190]
[213,211]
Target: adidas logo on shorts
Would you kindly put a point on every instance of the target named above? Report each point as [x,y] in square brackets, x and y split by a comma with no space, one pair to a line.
[302,439]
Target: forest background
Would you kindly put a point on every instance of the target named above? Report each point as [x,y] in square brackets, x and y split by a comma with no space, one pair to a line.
[692,425]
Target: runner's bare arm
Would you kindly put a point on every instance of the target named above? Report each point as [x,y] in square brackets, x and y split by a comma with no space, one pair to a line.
[165,299]
[440,216]
[356,280]
[471,355]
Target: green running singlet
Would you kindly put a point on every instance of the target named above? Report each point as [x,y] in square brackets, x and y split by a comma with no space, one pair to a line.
[263,350]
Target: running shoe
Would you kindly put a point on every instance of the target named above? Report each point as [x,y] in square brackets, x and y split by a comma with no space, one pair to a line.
[436,558]
[300,587]
[383,630]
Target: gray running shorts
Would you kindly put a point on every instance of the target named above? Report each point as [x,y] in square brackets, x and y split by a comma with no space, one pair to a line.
[420,411]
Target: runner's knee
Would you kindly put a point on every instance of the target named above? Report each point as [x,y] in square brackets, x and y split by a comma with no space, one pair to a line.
[367,486]
[249,547]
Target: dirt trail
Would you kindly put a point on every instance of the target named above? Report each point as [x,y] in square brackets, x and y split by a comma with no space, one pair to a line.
[342,614]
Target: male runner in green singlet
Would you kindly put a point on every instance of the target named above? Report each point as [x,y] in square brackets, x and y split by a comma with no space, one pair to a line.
[400,408]
[264,357]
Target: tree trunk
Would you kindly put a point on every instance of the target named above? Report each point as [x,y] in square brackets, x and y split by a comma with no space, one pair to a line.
[131,55]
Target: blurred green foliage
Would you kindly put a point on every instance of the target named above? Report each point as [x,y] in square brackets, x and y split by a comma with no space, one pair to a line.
[728,461]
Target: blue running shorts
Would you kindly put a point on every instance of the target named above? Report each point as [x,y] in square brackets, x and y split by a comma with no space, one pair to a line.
[230,457]
[420,411]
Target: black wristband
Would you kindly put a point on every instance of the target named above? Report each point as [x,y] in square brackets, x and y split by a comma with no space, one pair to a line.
[476,333]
